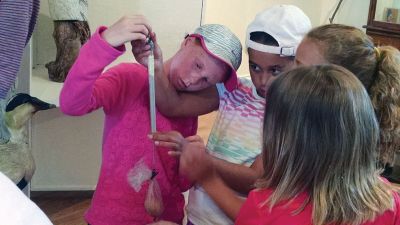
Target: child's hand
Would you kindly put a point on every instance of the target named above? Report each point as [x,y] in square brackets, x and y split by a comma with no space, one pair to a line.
[195,163]
[162,222]
[141,51]
[171,139]
[158,58]
[127,29]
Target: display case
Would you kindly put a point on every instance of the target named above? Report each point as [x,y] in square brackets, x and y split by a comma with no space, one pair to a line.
[384,22]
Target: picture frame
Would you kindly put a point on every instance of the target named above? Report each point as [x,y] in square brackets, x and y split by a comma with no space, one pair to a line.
[391,15]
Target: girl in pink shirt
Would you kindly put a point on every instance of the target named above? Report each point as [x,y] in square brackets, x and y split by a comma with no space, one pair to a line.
[210,55]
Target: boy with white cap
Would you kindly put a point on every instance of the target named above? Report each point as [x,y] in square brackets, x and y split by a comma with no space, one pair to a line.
[235,140]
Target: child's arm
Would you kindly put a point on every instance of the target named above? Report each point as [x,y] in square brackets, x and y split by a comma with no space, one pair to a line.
[239,177]
[222,195]
[184,104]
[170,102]
[197,165]
[84,89]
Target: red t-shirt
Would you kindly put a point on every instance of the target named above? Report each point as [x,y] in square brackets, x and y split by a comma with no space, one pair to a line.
[254,213]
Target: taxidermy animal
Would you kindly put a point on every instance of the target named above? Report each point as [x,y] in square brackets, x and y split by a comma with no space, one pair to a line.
[16,160]
[71,31]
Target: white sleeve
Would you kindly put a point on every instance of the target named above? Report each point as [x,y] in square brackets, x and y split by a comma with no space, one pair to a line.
[16,208]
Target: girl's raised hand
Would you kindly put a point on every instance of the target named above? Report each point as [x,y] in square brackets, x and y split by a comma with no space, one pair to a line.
[127,29]
[141,51]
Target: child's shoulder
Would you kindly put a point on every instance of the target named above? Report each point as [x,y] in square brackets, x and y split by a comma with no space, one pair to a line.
[262,194]
[396,198]
[245,86]
[245,80]
[129,71]
[128,68]
[245,83]
[128,75]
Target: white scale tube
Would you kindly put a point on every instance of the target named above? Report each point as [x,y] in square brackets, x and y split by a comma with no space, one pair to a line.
[152,90]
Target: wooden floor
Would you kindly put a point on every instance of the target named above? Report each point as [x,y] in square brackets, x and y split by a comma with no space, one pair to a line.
[63,208]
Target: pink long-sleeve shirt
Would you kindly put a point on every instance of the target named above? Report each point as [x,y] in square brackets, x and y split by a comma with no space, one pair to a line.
[122,92]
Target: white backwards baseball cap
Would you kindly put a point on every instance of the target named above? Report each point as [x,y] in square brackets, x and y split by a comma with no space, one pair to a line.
[287,24]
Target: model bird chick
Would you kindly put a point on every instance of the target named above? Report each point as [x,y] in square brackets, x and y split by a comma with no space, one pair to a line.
[16,160]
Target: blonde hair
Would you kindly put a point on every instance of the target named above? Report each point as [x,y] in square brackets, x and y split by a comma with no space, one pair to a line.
[378,68]
[320,137]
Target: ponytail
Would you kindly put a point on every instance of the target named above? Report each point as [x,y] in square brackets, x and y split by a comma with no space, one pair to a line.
[378,69]
[385,95]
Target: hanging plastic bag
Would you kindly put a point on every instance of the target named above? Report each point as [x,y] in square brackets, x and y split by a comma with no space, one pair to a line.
[139,174]
[153,203]
[136,177]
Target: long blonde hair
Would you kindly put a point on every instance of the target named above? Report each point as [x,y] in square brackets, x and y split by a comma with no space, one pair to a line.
[320,137]
[378,68]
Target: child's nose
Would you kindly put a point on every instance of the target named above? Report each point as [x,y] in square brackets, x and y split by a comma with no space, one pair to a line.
[191,79]
[265,78]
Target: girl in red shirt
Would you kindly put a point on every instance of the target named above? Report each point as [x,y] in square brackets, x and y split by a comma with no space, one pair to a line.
[320,168]
[320,146]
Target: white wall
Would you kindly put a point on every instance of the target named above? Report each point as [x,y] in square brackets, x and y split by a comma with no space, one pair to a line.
[240,13]
[171,20]
[351,12]
[67,150]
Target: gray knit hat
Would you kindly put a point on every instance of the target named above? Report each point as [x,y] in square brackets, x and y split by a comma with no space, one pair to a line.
[222,43]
